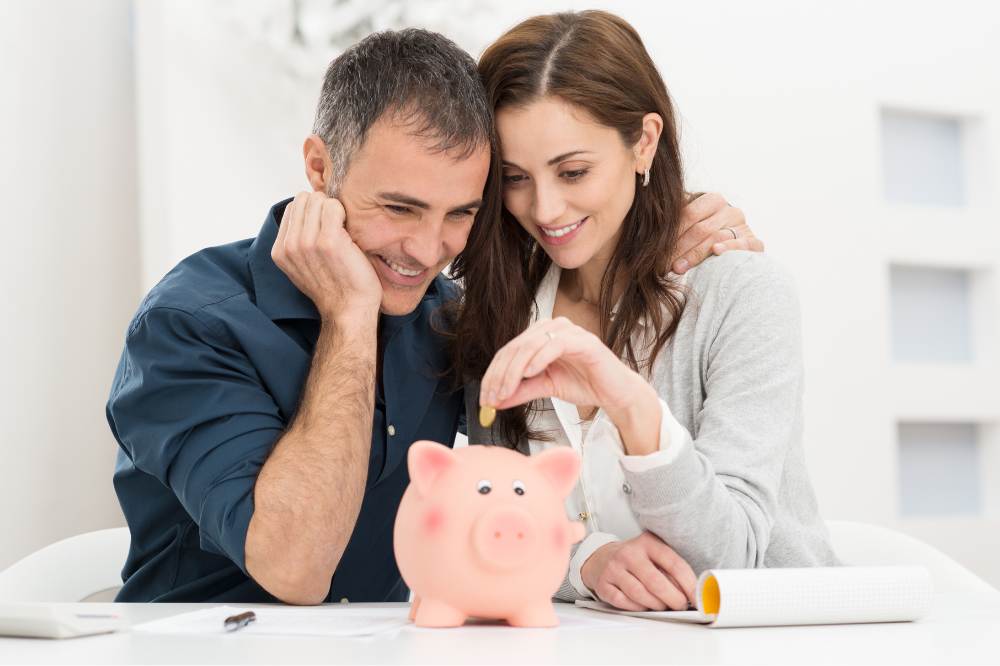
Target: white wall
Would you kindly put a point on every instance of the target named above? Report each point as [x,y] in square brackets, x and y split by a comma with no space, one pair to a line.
[70,265]
[781,112]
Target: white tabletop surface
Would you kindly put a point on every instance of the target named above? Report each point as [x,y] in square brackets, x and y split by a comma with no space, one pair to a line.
[960,629]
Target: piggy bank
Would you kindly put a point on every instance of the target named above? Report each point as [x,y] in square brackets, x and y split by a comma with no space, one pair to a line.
[482,532]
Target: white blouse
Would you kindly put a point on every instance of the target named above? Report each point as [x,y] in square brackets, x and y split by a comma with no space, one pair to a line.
[601,498]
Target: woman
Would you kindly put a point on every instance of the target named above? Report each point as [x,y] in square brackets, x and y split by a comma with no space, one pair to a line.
[683,394]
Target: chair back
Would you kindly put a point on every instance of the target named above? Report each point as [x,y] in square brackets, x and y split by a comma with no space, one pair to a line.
[69,570]
[866,545]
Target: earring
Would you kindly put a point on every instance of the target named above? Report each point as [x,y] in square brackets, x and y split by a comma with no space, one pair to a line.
[645,179]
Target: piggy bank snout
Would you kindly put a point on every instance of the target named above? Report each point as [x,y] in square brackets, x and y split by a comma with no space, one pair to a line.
[505,537]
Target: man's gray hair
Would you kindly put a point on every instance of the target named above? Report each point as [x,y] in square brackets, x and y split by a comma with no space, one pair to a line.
[425,80]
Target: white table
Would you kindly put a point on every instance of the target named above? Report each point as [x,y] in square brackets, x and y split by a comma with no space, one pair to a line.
[960,629]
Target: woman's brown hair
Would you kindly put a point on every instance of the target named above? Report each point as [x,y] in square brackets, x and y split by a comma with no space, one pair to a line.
[595,61]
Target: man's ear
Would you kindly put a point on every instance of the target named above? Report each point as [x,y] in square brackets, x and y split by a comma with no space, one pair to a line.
[561,465]
[426,460]
[319,168]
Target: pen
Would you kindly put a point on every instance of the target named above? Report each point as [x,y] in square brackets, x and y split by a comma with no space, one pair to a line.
[237,621]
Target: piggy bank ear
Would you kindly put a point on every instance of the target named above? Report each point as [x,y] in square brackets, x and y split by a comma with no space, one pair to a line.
[426,460]
[561,465]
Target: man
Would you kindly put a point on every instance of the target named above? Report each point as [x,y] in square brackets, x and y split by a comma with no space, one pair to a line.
[269,389]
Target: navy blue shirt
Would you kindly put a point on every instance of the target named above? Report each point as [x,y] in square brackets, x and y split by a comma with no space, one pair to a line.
[210,377]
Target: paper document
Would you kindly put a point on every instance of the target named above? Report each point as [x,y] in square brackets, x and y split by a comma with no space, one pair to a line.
[284,621]
[335,621]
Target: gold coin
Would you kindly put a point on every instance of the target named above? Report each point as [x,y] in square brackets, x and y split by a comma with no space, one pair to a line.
[486,416]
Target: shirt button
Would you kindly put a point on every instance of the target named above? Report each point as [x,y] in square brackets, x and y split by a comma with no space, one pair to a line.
[392,431]
[627,489]
[344,600]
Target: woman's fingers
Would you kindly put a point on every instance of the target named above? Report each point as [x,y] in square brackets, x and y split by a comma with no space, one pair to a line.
[667,559]
[612,595]
[525,354]
[660,585]
[500,367]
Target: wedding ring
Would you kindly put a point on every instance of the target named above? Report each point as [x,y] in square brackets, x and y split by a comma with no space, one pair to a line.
[735,236]
[552,336]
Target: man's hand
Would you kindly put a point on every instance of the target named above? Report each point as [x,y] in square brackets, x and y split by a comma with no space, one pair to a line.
[704,232]
[640,574]
[315,251]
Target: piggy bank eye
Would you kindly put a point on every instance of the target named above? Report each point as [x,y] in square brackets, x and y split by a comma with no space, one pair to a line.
[518,487]
[484,486]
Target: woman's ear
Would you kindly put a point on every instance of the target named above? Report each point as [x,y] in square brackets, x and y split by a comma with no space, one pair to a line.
[645,150]
[319,167]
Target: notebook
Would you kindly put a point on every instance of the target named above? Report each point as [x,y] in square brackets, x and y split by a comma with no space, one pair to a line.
[819,595]
[33,620]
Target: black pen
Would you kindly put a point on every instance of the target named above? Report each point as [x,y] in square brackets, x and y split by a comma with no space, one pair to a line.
[237,621]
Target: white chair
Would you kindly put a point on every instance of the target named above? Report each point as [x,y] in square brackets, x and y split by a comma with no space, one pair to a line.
[69,570]
[861,544]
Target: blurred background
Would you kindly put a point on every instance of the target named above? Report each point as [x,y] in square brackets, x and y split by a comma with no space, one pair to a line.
[860,138]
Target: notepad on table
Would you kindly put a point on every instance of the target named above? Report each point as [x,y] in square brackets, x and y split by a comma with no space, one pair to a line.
[819,595]
[37,620]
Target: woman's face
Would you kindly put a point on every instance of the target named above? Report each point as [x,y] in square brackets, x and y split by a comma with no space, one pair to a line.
[567,180]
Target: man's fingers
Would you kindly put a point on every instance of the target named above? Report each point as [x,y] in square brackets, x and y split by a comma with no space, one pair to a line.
[701,208]
[749,243]
[293,226]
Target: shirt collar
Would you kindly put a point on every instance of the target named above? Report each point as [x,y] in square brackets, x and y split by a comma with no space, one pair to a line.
[278,297]
[545,298]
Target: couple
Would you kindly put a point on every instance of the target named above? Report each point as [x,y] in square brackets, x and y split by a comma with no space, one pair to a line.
[269,389]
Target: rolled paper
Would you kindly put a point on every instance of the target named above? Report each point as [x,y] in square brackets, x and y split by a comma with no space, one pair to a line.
[486,416]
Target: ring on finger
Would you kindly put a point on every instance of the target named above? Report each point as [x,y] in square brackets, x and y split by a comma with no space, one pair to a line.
[552,336]
[735,235]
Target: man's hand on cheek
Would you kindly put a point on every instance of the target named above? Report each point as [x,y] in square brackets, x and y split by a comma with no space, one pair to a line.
[705,229]
[317,254]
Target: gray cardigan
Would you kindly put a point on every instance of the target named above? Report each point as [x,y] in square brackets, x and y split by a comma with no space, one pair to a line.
[738,495]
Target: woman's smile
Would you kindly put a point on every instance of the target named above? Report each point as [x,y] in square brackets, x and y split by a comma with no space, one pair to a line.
[561,235]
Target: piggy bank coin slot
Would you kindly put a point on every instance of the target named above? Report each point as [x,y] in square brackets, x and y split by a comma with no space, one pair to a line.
[484,486]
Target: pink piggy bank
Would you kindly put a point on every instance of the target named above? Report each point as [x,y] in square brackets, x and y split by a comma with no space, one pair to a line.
[482,532]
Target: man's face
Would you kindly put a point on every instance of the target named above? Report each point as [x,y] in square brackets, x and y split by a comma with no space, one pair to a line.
[410,209]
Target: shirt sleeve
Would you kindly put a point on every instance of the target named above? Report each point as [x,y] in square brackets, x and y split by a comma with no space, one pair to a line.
[672,435]
[192,411]
[581,554]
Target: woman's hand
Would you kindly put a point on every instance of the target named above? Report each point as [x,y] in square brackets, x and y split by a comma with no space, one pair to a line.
[556,358]
[640,574]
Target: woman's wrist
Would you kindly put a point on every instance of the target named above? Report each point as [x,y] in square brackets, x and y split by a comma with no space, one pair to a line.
[639,420]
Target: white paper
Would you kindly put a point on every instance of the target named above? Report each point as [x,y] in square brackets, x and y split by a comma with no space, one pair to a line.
[280,621]
[566,621]
[337,621]
[689,617]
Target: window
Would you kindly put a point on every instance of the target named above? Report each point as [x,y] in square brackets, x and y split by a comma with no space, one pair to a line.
[931,317]
[922,159]
[938,469]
